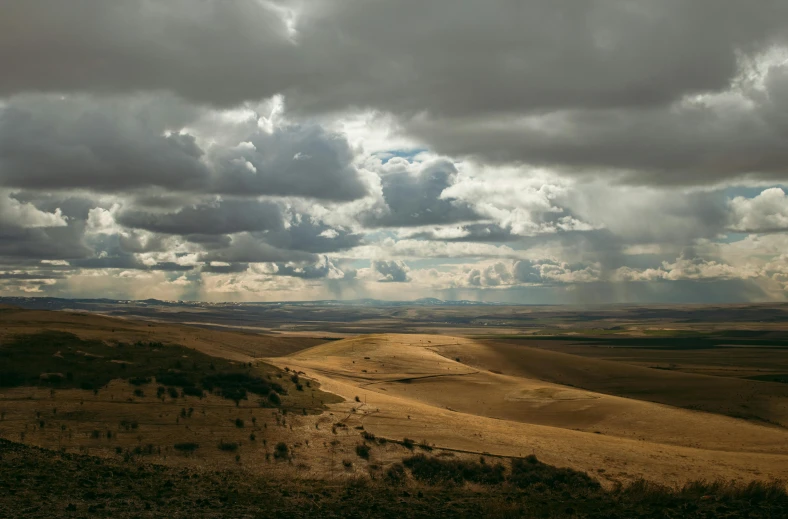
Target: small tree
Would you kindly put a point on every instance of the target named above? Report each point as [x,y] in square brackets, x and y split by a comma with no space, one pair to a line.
[362,451]
[281,451]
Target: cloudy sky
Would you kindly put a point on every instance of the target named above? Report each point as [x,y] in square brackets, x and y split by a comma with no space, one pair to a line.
[530,151]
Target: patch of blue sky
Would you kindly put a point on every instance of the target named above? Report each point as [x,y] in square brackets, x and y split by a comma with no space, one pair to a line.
[732,237]
[407,154]
[749,192]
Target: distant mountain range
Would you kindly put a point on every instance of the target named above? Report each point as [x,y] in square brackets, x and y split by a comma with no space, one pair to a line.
[56,303]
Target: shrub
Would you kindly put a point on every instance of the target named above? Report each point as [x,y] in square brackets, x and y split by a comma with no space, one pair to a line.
[396,473]
[358,399]
[239,423]
[530,471]
[138,381]
[186,447]
[368,436]
[281,451]
[96,434]
[362,451]
[228,446]
[192,391]
[139,393]
[408,443]
[173,392]
[274,398]
[436,470]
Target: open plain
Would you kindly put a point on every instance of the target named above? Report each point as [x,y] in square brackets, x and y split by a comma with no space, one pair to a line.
[623,402]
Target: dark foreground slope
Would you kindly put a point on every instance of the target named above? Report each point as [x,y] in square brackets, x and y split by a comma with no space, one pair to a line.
[40,483]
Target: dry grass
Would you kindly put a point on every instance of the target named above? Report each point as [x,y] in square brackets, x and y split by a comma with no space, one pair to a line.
[412,387]
[84,486]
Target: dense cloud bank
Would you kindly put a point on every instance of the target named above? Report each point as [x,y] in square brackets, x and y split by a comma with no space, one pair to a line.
[531,151]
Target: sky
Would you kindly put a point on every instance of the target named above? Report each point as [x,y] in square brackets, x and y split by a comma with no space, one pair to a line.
[521,151]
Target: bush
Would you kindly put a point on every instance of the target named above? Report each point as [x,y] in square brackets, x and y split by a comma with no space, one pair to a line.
[193,391]
[396,473]
[281,451]
[239,423]
[139,393]
[186,447]
[434,470]
[530,471]
[362,451]
[173,392]
[368,436]
[228,446]
[138,381]
[236,386]
[274,398]
[408,443]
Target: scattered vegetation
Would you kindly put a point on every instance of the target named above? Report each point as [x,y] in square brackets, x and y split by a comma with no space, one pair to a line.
[281,451]
[362,451]
[71,362]
[530,471]
[436,470]
[84,486]
[228,446]
[186,447]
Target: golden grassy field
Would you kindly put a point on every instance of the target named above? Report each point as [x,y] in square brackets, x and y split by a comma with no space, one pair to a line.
[458,396]
[444,390]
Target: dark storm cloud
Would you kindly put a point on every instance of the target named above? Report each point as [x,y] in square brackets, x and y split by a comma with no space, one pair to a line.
[48,143]
[692,143]
[128,262]
[392,271]
[209,241]
[297,160]
[246,248]
[53,243]
[453,58]
[415,200]
[216,217]
[317,271]
[110,105]
[525,271]
[71,206]
[107,145]
[29,276]
[307,235]
[233,268]
[460,58]
[457,74]
[215,51]
[138,242]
